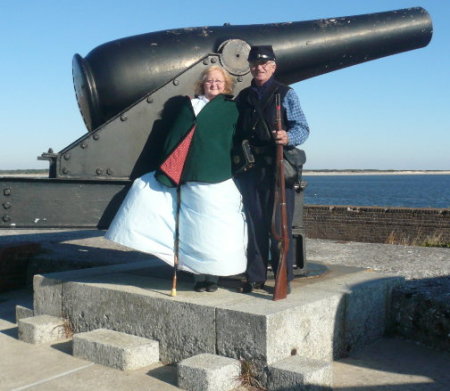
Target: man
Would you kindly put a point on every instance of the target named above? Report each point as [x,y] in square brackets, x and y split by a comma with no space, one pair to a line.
[256,123]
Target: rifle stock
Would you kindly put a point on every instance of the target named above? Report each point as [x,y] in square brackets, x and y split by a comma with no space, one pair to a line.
[281,282]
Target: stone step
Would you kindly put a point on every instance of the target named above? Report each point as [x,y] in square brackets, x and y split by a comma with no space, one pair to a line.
[43,329]
[297,374]
[208,372]
[115,349]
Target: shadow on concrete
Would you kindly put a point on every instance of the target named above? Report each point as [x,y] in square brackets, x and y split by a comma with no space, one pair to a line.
[418,311]
[9,301]
[166,373]
[8,315]
[397,365]
[309,387]
[13,332]
[57,257]
[155,275]
[47,235]
[422,311]
[394,387]
[64,347]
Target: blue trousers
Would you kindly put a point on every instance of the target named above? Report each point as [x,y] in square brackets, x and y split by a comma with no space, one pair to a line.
[257,189]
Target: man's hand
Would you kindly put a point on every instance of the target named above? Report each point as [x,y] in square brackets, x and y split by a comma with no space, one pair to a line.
[280,137]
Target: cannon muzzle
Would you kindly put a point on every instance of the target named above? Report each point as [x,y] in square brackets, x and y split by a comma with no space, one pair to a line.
[116,74]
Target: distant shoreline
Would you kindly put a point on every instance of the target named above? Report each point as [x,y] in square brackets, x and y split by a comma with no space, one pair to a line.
[44,173]
[376,172]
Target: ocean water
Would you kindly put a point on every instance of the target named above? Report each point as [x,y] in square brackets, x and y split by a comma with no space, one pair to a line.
[410,191]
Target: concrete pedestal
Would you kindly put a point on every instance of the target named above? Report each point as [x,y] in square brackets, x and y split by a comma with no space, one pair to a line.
[322,319]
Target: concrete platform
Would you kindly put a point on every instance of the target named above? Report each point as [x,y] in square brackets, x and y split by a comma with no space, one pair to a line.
[386,364]
[325,317]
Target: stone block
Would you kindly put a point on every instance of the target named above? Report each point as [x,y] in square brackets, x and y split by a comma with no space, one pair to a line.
[115,349]
[42,329]
[47,297]
[268,331]
[48,289]
[298,374]
[208,372]
[23,312]
[363,312]
[308,329]
[365,305]
[183,329]
[366,313]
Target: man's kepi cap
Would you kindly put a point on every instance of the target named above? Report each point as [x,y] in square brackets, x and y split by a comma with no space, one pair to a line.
[261,54]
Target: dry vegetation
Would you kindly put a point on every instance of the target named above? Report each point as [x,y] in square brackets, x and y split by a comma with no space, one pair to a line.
[431,240]
[248,377]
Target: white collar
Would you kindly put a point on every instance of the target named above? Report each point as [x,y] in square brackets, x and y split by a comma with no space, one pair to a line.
[203,98]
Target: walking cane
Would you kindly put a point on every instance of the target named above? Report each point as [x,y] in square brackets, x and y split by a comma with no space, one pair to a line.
[173,293]
[173,167]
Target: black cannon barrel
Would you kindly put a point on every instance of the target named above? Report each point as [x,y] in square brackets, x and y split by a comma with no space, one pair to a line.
[116,74]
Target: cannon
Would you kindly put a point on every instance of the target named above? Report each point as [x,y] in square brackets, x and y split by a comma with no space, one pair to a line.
[123,85]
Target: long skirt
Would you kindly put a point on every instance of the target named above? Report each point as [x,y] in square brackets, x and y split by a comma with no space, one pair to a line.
[212,227]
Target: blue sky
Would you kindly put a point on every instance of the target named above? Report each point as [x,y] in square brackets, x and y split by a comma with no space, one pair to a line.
[391,113]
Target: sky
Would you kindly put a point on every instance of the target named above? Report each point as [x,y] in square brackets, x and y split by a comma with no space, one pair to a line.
[390,113]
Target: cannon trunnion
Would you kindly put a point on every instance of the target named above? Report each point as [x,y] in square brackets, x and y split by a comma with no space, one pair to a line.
[122,86]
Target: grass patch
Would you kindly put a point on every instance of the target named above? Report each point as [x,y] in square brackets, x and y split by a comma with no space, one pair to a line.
[432,240]
[248,377]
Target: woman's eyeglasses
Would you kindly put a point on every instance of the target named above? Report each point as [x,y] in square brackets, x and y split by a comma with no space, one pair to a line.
[214,81]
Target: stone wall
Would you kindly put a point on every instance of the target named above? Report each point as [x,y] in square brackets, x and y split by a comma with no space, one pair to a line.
[421,312]
[377,224]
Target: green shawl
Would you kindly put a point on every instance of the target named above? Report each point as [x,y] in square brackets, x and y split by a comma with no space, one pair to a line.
[209,156]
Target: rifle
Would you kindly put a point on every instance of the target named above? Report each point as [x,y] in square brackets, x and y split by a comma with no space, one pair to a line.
[279,204]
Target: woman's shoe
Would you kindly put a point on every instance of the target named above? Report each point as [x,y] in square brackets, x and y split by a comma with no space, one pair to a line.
[200,286]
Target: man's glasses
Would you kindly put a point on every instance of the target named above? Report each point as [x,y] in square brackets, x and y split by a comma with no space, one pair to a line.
[263,65]
[214,81]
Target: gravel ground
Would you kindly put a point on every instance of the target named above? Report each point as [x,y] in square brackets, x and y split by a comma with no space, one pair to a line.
[410,262]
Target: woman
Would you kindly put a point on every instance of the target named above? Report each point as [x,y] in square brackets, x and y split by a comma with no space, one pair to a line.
[212,231]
